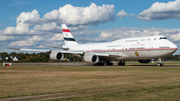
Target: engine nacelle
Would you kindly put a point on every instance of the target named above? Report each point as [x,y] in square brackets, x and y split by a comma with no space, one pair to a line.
[145,61]
[91,58]
[57,56]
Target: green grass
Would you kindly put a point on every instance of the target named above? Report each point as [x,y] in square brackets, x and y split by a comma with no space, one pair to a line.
[162,93]
[93,83]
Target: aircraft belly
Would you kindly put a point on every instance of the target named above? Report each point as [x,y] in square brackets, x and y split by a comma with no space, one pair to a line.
[148,54]
[134,54]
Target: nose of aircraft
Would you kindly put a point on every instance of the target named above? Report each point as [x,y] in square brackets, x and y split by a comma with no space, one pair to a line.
[173,47]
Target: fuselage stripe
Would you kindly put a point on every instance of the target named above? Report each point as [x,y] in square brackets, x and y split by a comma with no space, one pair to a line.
[148,49]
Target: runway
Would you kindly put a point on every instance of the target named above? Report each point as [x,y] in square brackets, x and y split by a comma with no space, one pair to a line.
[61,63]
[166,64]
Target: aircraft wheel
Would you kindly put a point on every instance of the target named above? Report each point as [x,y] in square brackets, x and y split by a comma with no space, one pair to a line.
[108,63]
[111,64]
[121,63]
[99,64]
[159,64]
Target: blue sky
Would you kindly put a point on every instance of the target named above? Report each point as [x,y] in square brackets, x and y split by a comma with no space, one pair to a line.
[33,23]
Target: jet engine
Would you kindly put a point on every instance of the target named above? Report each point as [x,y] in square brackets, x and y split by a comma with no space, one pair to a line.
[91,58]
[145,61]
[57,56]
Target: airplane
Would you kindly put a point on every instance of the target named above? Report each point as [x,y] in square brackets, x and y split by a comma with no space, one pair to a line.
[143,49]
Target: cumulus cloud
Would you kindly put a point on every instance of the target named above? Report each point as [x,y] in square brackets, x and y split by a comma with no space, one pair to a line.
[160,11]
[57,37]
[28,42]
[50,27]
[122,14]
[21,27]
[6,38]
[30,23]
[36,38]
[92,15]
[175,37]
[22,43]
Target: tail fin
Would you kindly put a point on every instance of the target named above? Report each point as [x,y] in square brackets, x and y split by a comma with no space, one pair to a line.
[68,38]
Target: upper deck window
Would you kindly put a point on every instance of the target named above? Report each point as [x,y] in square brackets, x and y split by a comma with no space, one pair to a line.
[163,38]
[130,40]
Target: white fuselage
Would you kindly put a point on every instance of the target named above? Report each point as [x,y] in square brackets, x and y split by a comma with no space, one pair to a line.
[130,48]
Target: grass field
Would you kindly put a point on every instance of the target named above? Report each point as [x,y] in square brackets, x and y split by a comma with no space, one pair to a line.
[142,83]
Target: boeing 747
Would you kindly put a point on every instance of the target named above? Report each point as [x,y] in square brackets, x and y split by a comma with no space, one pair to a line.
[143,49]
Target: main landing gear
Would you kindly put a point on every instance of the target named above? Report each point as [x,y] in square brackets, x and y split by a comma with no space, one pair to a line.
[160,63]
[109,63]
[121,63]
[100,63]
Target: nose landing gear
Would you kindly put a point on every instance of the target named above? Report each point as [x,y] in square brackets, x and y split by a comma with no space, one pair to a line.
[160,63]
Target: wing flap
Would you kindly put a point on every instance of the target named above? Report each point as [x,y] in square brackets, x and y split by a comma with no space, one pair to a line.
[56,47]
[31,50]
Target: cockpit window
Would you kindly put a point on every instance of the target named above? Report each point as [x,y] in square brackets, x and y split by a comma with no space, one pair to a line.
[163,38]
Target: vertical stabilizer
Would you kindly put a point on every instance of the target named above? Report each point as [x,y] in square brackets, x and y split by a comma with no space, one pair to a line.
[68,38]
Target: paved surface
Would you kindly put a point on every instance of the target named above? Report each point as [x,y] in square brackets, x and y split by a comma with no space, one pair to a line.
[60,63]
[85,64]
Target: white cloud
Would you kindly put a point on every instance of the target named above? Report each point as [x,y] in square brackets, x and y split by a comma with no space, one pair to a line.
[36,38]
[175,37]
[30,23]
[122,14]
[57,37]
[22,43]
[92,15]
[51,16]
[104,34]
[160,11]
[48,27]
[33,41]
[6,38]
[21,27]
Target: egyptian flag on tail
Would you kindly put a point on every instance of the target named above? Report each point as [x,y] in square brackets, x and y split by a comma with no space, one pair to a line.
[68,38]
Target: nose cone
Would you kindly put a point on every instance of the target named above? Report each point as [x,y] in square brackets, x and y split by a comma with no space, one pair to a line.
[173,47]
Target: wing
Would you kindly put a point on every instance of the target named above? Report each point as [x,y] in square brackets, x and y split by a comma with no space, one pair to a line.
[41,50]
[100,54]
[31,50]
[57,47]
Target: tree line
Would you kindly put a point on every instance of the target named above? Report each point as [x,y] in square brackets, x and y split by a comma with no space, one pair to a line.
[44,57]
[37,57]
